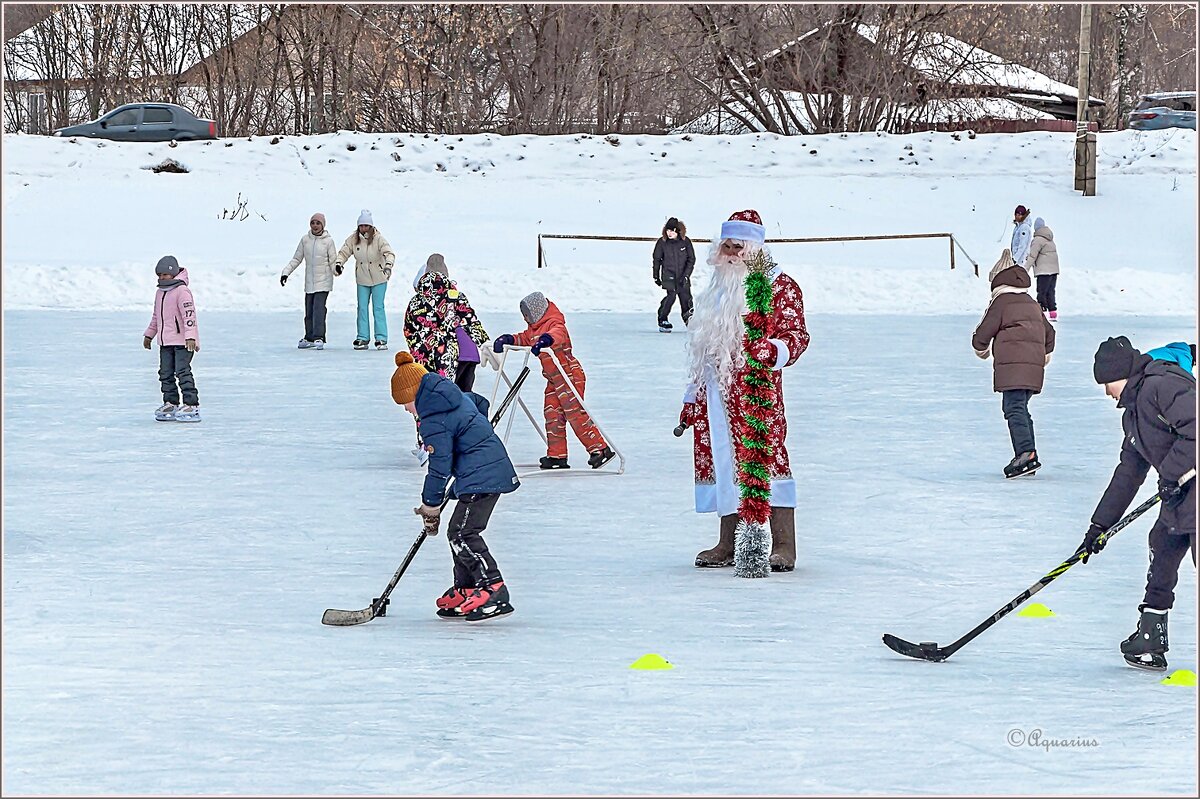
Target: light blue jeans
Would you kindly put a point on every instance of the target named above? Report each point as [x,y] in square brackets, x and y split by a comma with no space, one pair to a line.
[372,295]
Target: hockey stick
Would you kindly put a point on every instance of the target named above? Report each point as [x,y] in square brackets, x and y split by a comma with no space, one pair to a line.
[929,650]
[378,606]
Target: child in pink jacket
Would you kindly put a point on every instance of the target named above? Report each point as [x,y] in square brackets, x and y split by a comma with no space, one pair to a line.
[174,323]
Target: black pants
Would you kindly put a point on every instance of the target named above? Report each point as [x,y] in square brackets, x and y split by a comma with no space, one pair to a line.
[674,287]
[1020,423]
[314,315]
[464,375]
[175,363]
[1046,284]
[474,566]
[1166,553]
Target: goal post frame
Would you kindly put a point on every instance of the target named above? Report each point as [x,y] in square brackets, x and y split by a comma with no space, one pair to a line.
[812,240]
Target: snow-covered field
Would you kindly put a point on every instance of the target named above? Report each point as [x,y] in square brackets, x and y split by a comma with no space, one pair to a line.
[85,221]
[163,584]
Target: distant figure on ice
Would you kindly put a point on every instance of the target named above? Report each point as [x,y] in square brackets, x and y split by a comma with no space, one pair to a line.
[1022,235]
[319,254]
[373,261]
[174,322]
[717,394]
[1043,262]
[1020,339]
[462,445]
[547,332]
[1159,421]
[442,330]
[673,262]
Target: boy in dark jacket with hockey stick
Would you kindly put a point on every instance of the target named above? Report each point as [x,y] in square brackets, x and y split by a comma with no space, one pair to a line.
[462,445]
[1159,400]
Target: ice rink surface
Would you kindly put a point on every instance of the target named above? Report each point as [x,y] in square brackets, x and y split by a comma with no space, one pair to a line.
[164,583]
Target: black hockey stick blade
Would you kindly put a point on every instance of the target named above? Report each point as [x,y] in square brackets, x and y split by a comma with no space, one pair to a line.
[926,650]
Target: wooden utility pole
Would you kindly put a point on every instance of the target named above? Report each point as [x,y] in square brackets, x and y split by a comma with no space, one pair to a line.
[1085,140]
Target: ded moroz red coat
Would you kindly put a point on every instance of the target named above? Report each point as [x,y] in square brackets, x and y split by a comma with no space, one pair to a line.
[715,462]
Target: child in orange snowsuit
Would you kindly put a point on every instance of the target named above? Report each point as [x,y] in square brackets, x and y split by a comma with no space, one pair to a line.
[548,331]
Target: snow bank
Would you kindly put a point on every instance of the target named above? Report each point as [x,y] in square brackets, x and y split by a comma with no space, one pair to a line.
[85,221]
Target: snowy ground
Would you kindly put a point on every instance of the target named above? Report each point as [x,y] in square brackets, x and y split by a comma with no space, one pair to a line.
[86,220]
[163,584]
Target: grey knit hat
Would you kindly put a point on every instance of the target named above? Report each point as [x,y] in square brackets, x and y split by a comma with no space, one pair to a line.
[436,263]
[167,265]
[533,307]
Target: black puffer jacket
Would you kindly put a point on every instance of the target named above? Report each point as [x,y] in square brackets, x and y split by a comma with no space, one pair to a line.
[673,260]
[1160,431]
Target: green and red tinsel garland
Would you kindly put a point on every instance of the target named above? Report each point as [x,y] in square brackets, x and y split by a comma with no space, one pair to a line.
[753,446]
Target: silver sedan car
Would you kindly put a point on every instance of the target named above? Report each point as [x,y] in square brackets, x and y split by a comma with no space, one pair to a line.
[145,122]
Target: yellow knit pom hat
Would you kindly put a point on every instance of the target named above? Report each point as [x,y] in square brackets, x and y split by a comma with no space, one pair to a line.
[407,378]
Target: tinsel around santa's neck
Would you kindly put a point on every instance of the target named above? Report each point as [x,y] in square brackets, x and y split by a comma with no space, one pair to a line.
[753,447]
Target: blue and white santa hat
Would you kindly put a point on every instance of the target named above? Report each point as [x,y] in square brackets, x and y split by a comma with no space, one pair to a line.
[745,226]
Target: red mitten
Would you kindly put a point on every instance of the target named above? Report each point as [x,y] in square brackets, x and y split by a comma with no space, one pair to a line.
[763,351]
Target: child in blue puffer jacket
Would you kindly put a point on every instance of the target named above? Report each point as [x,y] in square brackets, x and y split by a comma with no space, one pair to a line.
[462,445]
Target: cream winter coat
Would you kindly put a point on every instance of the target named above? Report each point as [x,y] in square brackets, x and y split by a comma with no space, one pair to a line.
[1043,253]
[373,260]
[319,255]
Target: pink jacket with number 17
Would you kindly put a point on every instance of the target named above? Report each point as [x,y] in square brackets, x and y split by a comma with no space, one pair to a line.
[174,319]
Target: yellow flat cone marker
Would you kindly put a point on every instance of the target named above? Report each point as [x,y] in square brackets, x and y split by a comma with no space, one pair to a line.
[1037,611]
[651,663]
[1181,677]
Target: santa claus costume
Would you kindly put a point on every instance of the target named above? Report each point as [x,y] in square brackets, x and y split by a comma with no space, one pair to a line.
[736,389]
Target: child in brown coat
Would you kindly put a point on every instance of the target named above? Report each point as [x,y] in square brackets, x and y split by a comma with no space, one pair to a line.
[1020,339]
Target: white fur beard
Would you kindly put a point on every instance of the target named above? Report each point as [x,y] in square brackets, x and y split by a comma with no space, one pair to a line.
[717,326]
[751,550]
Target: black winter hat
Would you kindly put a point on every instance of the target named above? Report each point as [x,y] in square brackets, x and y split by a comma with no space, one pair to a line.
[673,224]
[1114,360]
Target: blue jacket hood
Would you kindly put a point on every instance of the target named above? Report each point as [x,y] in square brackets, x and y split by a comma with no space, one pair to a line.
[1177,352]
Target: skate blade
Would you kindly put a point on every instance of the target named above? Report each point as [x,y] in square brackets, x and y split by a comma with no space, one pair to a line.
[501,610]
[1027,473]
[1156,662]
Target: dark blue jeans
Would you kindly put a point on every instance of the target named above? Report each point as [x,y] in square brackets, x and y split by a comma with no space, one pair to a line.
[1020,423]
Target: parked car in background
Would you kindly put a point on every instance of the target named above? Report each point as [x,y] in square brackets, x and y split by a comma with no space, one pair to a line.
[1164,110]
[145,122]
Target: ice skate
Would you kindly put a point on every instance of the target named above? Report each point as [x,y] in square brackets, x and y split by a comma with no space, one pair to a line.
[1024,464]
[1147,646]
[487,603]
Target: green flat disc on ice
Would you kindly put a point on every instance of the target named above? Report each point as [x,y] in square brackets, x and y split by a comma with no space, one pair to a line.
[1037,611]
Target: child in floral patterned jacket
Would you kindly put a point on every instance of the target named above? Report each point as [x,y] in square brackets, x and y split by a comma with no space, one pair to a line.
[443,331]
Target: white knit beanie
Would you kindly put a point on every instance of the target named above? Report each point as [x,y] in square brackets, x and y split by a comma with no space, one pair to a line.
[365,218]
